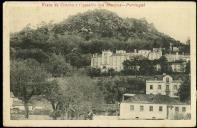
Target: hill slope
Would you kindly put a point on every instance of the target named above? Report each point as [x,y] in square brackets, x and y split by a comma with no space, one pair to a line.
[102,23]
[85,33]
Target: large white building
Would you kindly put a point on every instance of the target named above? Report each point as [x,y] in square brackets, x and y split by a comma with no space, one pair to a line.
[141,106]
[177,57]
[165,86]
[108,59]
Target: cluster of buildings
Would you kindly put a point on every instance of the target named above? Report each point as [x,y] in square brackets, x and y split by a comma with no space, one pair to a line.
[109,60]
[115,61]
[160,101]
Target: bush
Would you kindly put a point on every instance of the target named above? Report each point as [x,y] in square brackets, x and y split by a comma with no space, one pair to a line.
[41,112]
[94,72]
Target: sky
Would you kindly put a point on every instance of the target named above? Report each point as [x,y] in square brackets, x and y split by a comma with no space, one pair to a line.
[171,18]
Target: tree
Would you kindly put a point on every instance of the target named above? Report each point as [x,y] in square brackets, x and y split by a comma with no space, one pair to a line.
[111,72]
[113,89]
[51,91]
[132,66]
[184,91]
[57,66]
[72,96]
[82,94]
[34,53]
[165,67]
[94,72]
[74,59]
[146,67]
[26,76]
[187,68]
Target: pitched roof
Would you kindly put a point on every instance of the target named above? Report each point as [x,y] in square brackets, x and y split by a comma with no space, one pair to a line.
[153,99]
[160,77]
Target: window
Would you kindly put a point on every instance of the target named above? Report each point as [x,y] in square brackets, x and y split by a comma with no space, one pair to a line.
[167,87]
[151,87]
[176,109]
[132,107]
[175,87]
[105,58]
[151,108]
[160,108]
[159,87]
[141,108]
[167,79]
[183,109]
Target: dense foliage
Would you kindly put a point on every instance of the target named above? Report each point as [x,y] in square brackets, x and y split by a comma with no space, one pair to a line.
[72,97]
[26,80]
[113,89]
[77,37]
[185,90]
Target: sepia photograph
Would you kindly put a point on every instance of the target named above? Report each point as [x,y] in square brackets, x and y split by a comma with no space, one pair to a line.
[99,63]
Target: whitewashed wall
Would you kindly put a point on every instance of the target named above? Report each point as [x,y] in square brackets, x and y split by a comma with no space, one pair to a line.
[126,113]
[163,83]
[172,113]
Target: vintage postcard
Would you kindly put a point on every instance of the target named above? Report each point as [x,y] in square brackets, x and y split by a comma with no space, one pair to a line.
[107,63]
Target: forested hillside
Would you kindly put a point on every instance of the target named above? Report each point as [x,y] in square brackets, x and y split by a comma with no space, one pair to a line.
[77,37]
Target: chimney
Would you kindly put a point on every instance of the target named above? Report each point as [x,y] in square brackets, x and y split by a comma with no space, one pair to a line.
[135,50]
[164,74]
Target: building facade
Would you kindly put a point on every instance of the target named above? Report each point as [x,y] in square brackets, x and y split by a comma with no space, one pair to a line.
[141,106]
[108,59]
[131,110]
[177,57]
[166,86]
[178,110]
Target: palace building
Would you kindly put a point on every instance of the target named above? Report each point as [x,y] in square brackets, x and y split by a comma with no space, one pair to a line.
[108,59]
